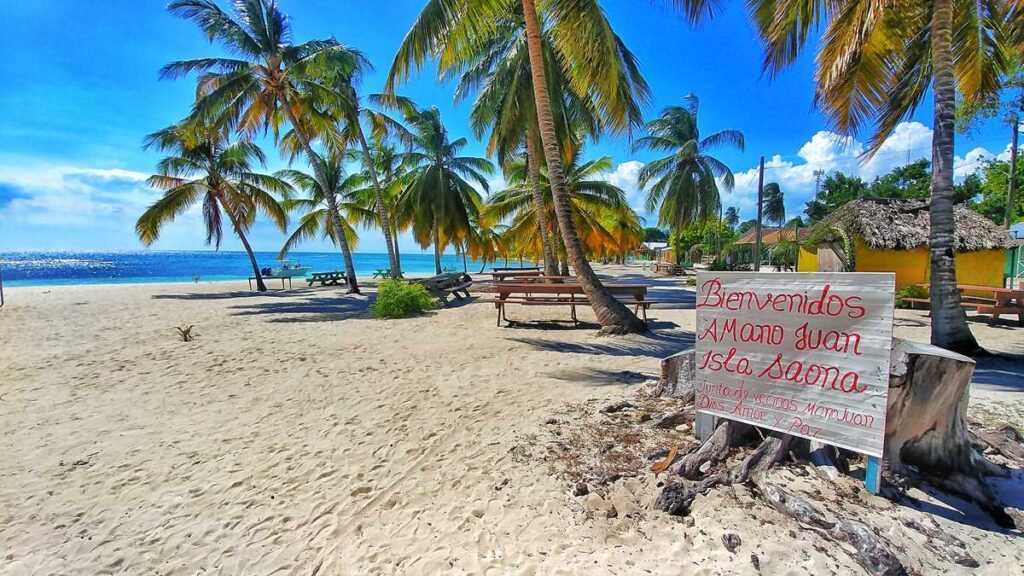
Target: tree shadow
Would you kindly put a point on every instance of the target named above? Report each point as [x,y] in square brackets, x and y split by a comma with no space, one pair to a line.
[657,345]
[955,509]
[310,310]
[1002,371]
[601,377]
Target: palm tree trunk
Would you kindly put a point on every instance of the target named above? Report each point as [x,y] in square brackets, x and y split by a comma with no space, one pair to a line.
[332,206]
[382,209]
[346,251]
[613,316]
[533,166]
[260,285]
[465,267]
[437,247]
[398,255]
[949,321]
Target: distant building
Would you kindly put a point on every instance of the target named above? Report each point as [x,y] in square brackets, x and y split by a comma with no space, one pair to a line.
[892,236]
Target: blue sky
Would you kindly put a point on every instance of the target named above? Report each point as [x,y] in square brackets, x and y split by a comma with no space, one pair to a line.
[81,91]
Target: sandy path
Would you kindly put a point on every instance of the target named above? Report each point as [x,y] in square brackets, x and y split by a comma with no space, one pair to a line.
[296,435]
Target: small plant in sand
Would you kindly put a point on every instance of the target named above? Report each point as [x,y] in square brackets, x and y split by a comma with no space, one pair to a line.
[398,299]
[185,333]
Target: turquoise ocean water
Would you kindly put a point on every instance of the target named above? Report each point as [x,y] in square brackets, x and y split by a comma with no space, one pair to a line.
[58,268]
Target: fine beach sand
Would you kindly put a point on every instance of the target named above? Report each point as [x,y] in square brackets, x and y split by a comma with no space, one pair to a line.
[298,435]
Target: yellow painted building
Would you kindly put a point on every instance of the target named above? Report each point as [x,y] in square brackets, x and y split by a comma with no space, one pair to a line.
[892,236]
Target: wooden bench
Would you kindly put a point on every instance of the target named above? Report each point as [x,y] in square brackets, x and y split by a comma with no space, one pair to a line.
[333,278]
[640,306]
[564,294]
[913,301]
[265,278]
[448,284]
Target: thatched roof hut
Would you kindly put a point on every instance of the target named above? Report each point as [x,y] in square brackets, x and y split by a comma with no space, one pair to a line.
[904,225]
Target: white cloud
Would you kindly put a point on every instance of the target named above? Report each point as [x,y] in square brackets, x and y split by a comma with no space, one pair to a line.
[825,152]
[625,176]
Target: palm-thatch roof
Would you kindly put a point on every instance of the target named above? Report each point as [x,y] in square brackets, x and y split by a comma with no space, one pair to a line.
[904,224]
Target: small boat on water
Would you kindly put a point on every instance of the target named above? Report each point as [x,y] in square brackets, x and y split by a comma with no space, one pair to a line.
[288,269]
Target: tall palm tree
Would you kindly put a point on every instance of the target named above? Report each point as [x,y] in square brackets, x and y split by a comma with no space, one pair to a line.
[598,207]
[438,193]
[316,219]
[875,64]
[204,167]
[595,61]
[732,217]
[684,185]
[499,72]
[270,80]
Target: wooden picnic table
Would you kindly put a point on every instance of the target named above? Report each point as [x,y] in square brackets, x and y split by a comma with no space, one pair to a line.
[1003,300]
[281,278]
[499,275]
[509,269]
[554,294]
[332,278]
[448,284]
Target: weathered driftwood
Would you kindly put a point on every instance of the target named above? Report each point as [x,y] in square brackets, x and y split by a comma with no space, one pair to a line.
[872,553]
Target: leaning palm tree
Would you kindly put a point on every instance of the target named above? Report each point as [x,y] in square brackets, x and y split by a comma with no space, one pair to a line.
[204,168]
[732,217]
[498,71]
[875,65]
[683,187]
[269,80]
[438,194]
[595,60]
[317,216]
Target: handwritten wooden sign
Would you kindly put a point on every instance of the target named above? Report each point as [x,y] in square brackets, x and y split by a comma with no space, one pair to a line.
[806,354]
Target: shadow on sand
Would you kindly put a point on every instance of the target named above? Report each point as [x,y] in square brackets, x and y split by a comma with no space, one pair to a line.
[657,345]
[1003,371]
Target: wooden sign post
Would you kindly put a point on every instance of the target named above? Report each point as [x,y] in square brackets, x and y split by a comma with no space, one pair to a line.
[805,354]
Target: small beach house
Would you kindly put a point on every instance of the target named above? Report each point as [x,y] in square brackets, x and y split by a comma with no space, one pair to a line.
[892,236]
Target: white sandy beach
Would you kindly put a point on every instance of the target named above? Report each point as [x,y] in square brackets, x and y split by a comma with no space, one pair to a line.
[298,435]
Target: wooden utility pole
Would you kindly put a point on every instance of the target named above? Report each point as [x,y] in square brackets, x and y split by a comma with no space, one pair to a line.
[760,207]
[1012,184]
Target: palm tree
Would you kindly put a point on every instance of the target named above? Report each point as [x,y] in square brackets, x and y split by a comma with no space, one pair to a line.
[774,204]
[600,211]
[499,70]
[270,80]
[316,219]
[684,185]
[594,58]
[204,167]
[732,217]
[875,64]
[438,195]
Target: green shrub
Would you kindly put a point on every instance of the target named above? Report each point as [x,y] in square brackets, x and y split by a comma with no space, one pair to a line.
[909,291]
[398,299]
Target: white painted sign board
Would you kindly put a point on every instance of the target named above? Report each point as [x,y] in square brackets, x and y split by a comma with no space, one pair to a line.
[806,354]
